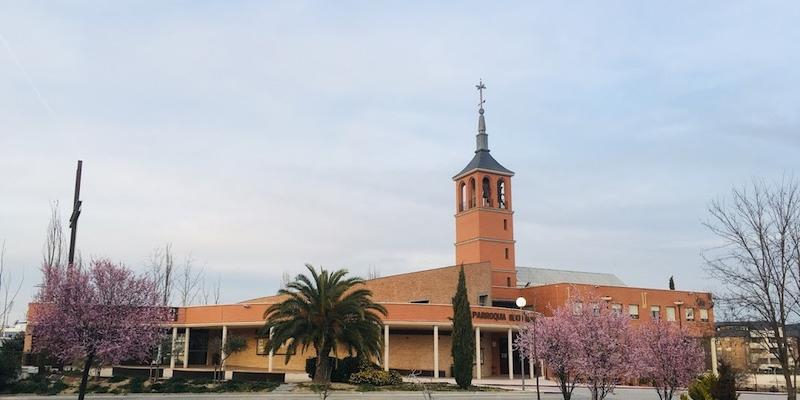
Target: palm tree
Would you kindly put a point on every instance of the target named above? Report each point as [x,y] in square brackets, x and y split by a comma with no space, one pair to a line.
[328,312]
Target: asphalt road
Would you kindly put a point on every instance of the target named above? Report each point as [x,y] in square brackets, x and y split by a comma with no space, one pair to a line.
[548,394]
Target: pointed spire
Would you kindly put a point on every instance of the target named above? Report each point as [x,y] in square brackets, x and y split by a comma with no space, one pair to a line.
[482,139]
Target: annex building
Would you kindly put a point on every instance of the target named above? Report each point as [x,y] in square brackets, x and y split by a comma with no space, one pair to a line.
[417,332]
[418,327]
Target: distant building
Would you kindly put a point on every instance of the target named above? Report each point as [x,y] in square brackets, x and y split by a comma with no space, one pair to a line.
[747,346]
[418,326]
[11,331]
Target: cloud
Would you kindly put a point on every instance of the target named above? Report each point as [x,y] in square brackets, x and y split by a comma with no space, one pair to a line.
[260,136]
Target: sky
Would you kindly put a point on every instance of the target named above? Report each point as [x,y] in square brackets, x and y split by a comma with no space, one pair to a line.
[260,136]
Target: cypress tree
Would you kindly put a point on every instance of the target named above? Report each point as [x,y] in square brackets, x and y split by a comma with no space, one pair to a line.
[463,349]
[671,283]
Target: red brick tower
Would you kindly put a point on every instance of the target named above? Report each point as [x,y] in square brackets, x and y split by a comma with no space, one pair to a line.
[484,216]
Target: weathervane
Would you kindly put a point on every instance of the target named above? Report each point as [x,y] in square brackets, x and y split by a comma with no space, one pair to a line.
[480,86]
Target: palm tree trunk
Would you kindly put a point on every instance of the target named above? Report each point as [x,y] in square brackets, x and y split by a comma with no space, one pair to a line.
[322,374]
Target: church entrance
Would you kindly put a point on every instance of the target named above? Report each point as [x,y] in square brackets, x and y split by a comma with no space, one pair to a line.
[502,344]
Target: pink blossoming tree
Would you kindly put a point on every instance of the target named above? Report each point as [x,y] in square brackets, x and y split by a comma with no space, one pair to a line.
[102,314]
[668,357]
[606,350]
[554,340]
[584,341]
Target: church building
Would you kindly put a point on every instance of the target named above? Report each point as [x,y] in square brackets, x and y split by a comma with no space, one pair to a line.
[417,332]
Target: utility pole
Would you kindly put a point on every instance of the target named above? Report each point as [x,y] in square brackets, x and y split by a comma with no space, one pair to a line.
[76,212]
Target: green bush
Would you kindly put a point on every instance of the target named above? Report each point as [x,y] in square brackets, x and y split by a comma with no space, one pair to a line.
[700,388]
[376,377]
[341,369]
[31,386]
[725,386]
[100,389]
[57,387]
[10,359]
[136,385]
[117,379]
[245,386]
[174,385]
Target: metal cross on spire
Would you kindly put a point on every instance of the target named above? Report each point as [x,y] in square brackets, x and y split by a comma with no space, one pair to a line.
[480,86]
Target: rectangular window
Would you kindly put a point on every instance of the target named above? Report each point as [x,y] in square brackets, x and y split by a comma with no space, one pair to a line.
[655,312]
[421,301]
[506,253]
[633,311]
[670,314]
[690,314]
[508,281]
[616,309]
[505,224]
[703,315]
[577,308]
[595,309]
[483,299]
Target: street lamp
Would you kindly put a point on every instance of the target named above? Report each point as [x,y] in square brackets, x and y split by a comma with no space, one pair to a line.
[521,302]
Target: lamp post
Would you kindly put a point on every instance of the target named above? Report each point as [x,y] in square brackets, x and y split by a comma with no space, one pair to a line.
[521,303]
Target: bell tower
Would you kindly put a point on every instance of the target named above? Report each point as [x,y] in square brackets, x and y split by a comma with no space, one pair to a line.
[484,216]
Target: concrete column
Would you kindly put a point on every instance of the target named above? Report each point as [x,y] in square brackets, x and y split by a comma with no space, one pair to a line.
[478,352]
[172,348]
[222,349]
[510,356]
[186,349]
[271,353]
[435,351]
[714,355]
[386,347]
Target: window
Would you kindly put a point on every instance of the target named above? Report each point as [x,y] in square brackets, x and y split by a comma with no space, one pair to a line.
[616,308]
[703,315]
[633,311]
[595,309]
[690,314]
[655,312]
[577,308]
[506,253]
[501,193]
[421,301]
[505,224]
[487,192]
[508,281]
[670,314]
[483,299]
[462,205]
[472,192]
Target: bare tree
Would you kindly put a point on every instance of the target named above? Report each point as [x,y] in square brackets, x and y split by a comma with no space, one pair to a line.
[758,261]
[190,282]
[54,242]
[161,270]
[8,293]
[217,288]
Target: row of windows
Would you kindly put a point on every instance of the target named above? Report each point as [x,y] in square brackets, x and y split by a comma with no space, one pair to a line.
[655,311]
[469,194]
[671,314]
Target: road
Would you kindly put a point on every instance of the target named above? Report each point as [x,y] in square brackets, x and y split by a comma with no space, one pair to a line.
[548,394]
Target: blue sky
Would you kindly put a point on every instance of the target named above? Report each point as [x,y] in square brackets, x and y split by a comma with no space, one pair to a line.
[259,136]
